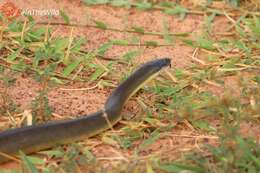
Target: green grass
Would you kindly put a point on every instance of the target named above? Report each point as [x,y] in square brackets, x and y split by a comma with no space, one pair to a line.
[175,101]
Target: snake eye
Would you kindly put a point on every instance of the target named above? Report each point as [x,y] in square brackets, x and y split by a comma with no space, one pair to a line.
[165,62]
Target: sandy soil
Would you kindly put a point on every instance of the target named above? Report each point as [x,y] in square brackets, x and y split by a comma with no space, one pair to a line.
[75,103]
[87,101]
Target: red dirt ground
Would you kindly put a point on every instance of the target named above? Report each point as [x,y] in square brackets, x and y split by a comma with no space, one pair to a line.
[74,103]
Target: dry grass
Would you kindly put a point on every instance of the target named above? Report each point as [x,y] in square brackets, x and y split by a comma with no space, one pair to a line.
[202,115]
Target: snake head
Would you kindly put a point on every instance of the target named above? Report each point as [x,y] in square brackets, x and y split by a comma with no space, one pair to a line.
[131,85]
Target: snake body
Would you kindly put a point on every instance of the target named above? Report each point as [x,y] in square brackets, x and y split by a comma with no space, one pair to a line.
[34,138]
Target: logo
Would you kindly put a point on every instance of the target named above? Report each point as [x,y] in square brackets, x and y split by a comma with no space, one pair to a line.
[9,10]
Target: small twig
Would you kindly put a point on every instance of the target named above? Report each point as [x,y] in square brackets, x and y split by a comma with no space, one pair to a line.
[212,83]
[112,158]
[81,67]
[23,30]
[10,157]
[187,123]
[111,29]
[194,136]
[194,54]
[104,114]
[171,76]
[79,89]
[61,116]
[66,58]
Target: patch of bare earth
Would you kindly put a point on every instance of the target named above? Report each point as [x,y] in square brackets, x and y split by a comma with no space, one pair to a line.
[76,102]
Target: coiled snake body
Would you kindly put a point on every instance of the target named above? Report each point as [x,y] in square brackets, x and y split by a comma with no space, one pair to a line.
[43,136]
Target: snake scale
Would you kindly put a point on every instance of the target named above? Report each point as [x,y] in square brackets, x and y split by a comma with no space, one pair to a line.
[38,137]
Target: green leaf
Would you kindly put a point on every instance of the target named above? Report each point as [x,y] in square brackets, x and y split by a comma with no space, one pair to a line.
[100,24]
[152,121]
[143,5]
[149,168]
[234,3]
[231,63]
[130,55]
[170,168]
[189,42]
[103,48]
[153,137]
[65,16]
[20,66]
[120,42]
[37,34]
[177,167]
[120,3]
[28,163]
[203,125]
[209,20]
[242,46]
[10,171]
[15,26]
[167,4]
[13,56]
[104,83]
[151,43]
[71,67]
[255,159]
[109,140]
[88,154]
[36,160]
[255,30]
[178,73]
[39,56]
[169,91]
[30,18]
[257,23]
[1,16]
[138,29]
[56,80]
[205,43]
[168,38]
[76,47]
[99,71]
[241,32]
[257,79]
[177,10]
[60,44]
[95,2]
